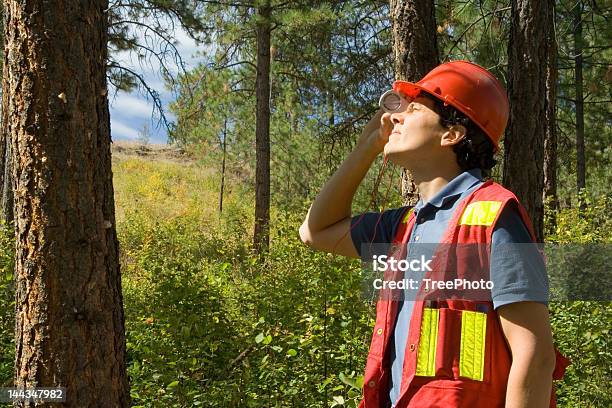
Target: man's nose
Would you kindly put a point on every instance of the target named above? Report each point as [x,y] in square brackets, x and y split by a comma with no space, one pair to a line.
[397,117]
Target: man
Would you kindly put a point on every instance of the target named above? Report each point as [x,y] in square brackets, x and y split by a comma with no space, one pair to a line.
[459,353]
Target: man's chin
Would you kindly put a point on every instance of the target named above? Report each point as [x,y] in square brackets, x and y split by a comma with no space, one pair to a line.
[396,156]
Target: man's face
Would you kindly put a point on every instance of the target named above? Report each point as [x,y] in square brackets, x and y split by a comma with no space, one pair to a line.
[416,131]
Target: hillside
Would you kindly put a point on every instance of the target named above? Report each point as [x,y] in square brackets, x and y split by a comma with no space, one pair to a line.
[122,149]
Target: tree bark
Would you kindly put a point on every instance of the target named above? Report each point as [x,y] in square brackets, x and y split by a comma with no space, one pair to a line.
[580,155]
[415,49]
[69,314]
[550,140]
[527,88]
[261,238]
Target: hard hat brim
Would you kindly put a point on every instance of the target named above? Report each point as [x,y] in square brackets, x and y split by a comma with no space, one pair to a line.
[409,89]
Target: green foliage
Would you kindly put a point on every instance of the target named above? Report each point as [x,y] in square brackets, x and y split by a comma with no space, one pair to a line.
[472,31]
[7,302]
[582,328]
[209,323]
[589,226]
[582,333]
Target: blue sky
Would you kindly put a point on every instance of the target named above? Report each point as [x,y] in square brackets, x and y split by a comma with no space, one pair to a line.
[130,112]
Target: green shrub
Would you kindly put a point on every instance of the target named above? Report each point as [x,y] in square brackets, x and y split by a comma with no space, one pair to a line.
[209,322]
[7,304]
[582,328]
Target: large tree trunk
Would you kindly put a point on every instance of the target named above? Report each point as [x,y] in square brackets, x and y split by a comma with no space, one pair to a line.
[70,321]
[580,157]
[415,49]
[527,127]
[261,238]
[550,140]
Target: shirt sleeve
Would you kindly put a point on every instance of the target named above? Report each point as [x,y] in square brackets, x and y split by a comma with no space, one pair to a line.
[375,228]
[517,269]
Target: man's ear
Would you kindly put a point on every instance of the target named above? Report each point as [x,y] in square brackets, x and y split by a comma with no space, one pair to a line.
[453,135]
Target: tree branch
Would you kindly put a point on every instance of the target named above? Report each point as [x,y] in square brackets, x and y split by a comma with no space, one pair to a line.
[468,28]
[157,104]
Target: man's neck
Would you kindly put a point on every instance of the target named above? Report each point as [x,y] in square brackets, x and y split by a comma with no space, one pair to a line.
[430,184]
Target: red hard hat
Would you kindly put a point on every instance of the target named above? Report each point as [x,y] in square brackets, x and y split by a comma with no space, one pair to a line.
[470,89]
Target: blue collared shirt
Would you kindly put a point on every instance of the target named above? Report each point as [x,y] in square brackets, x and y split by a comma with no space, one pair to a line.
[515,277]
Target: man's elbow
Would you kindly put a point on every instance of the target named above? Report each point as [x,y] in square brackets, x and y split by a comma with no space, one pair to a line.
[541,362]
[546,360]
[305,234]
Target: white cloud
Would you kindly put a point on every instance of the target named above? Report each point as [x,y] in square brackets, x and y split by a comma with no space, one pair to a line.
[131,105]
[122,131]
[187,47]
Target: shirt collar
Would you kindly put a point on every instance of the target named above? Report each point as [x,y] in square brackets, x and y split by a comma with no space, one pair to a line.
[455,187]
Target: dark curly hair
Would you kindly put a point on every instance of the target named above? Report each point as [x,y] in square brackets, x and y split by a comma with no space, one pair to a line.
[475,150]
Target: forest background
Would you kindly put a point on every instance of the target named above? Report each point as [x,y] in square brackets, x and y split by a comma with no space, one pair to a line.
[210,321]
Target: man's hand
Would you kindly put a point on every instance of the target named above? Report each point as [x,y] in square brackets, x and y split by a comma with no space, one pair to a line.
[526,326]
[376,132]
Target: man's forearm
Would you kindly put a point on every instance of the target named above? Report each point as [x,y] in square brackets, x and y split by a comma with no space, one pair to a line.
[334,201]
[529,384]
[526,326]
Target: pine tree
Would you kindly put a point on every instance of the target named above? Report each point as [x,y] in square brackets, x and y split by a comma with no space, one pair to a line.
[69,313]
[527,89]
[550,197]
[261,234]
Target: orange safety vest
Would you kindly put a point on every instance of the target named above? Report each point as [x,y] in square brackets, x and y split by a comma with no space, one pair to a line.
[456,354]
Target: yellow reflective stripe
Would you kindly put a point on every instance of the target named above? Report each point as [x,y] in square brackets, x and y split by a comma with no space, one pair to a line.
[405,219]
[426,359]
[472,351]
[480,213]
